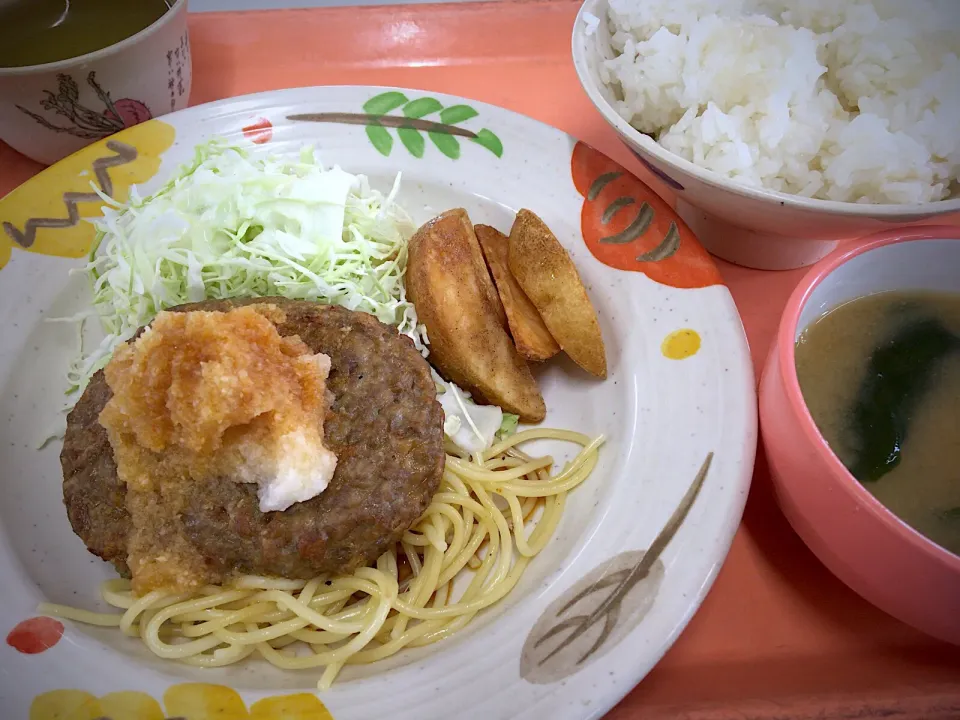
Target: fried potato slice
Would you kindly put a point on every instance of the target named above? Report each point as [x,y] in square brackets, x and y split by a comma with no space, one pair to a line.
[485,283]
[550,279]
[530,335]
[468,343]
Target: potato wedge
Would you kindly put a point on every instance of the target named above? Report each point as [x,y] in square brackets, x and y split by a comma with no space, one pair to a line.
[530,335]
[468,343]
[485,283]
[550,279]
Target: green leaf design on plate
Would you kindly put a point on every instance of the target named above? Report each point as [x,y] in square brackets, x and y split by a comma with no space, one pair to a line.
[614,207]
[380,119]
[380,138]
[600,183]
[412,140]
[421,106]
[457,114]
[490,141]
[639,225]
[384,102]
[666,249]
[447,144]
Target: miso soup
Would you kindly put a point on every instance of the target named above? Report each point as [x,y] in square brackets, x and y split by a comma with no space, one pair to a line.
[33,32]
[881,377]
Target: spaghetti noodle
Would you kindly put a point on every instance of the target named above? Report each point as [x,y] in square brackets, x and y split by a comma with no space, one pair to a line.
[491,515]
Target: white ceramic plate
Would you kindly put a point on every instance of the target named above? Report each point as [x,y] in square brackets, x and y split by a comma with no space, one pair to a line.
[680,391]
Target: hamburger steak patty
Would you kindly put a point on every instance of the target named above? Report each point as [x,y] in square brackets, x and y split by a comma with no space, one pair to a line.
[384,424]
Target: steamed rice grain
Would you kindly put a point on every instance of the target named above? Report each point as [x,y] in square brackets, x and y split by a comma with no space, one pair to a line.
[856,101]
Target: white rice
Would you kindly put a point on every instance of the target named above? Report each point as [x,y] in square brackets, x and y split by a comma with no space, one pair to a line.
[850,100]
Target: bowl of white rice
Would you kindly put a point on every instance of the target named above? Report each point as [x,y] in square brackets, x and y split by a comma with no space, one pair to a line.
[783,126]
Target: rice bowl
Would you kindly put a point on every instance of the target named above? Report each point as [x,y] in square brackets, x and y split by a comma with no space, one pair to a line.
[795,98]
[771,178]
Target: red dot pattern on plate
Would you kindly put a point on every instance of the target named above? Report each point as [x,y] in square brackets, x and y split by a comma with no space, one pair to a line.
[35,635]
[259,131]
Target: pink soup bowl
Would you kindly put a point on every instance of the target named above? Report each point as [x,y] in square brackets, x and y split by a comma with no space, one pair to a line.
[869,548]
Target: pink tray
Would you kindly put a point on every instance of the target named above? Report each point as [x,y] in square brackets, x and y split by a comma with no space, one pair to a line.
[778,638]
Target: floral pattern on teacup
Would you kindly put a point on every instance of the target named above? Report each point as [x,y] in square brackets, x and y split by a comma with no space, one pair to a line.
[83,122]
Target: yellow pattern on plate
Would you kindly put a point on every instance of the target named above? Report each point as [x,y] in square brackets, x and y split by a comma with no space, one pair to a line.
[680,344]
[45,214]
[290,707]
[196,701]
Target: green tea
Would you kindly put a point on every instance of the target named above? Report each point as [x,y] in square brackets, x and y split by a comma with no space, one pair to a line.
[33,32]
[881,377]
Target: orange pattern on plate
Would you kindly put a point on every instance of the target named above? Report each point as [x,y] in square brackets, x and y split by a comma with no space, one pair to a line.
[627,226]
[35,635]
[259,131]
[196,701]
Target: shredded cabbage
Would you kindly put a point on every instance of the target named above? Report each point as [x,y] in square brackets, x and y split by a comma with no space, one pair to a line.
[508,426]
[230,225]
[470,426]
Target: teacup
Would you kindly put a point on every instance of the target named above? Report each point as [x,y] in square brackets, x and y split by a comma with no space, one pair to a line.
[52,110]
